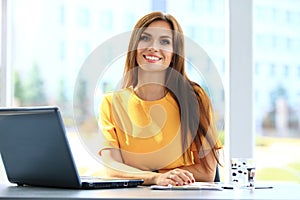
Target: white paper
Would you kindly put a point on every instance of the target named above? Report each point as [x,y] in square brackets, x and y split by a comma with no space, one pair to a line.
[193,186]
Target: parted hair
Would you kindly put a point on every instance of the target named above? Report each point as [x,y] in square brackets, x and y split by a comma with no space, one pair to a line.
[196,114]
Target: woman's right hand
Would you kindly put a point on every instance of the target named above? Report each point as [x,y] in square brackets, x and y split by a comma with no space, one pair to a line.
[175,177]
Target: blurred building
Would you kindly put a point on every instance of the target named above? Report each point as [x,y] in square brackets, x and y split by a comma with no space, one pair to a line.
[59,35]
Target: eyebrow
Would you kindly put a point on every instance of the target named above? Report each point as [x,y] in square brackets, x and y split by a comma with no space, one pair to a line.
[163,36]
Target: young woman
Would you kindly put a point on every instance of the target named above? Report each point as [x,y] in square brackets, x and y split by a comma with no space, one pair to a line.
[159,126]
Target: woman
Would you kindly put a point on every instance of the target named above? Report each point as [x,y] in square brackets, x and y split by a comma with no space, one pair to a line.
[159,126]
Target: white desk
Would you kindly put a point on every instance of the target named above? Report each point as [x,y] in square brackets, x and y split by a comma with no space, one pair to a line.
[280,191]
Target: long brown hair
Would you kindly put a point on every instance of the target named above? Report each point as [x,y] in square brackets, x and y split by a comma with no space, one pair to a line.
[196,124]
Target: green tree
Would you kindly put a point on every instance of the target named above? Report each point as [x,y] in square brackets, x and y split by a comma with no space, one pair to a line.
[34,89]
[62,97]
[81,99]
[62,91]
[18,88]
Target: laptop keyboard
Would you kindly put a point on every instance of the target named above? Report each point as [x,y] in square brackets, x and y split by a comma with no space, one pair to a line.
[91,178]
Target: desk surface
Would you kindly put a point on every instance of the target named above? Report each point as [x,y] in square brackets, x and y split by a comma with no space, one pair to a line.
[279,191]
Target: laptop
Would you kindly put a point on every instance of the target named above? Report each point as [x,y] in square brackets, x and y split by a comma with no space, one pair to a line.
[35,151]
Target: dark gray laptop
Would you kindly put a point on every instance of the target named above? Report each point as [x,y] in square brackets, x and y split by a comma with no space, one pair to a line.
[35,151]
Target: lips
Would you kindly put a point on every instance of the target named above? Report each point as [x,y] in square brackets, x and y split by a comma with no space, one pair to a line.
[151,58]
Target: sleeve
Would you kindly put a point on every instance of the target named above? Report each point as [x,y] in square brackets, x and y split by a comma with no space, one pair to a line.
[106,125]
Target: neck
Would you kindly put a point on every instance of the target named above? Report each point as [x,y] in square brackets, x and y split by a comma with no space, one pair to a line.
[151,85]
[150,92]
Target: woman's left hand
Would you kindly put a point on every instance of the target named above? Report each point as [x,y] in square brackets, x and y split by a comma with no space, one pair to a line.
[175,177]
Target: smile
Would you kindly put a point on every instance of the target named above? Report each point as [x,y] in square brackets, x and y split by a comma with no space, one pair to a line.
[152,58]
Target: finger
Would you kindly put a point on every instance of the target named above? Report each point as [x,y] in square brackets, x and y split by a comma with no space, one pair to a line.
[191,176]
[167,180]
[185,178]
[177,179]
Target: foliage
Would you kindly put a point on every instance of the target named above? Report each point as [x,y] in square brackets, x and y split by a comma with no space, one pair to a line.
[62,92]
[222,136]
[35,93]
[18,87]
[278,174]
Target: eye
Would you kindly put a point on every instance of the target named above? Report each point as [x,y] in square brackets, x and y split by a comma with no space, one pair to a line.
[165,42]
[144,38]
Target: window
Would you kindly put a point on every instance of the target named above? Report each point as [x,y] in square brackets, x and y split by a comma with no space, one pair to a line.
[277,127]
[1,71]
[288,16]
[286,71]
[257,68]
[51,40]
[62,15]
[288,44]
[83,16]
[272,70]
[62,50]
[159,5]
[106,20]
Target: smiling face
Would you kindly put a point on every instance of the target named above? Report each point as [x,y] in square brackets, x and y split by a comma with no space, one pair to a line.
[155,47]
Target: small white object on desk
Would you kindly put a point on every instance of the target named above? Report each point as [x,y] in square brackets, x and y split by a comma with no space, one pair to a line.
[192,186]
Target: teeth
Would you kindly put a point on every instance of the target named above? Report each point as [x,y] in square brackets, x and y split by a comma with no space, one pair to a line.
[152,58]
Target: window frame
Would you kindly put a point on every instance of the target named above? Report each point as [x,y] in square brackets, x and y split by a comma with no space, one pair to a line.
[6,74]
[239,31]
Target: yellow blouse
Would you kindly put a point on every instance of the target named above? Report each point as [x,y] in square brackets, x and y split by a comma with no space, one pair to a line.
[146,132]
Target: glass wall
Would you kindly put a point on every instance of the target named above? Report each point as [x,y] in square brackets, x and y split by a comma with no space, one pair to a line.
[1,52]
[276,37]
[51,41]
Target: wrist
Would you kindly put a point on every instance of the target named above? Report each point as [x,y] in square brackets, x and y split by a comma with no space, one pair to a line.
[155,177]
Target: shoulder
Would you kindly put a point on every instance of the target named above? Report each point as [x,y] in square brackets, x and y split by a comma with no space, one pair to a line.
[118,95]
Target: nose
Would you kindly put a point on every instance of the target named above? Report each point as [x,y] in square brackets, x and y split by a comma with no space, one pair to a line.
[153,47]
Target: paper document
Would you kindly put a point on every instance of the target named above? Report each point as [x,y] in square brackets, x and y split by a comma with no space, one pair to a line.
[193,186]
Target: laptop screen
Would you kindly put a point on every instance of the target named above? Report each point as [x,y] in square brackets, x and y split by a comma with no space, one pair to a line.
[35,151]
[34,148]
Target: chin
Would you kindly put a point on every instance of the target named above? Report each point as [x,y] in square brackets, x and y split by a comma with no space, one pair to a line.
[154,67]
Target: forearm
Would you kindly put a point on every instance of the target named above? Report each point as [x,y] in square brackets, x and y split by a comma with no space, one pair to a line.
[207,175]
[199,175]
[200,171]
[115,167]
[121,170]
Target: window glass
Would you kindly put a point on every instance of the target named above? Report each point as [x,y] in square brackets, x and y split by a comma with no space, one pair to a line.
[2,174]
[1,54]
[276,89]
[51,40]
